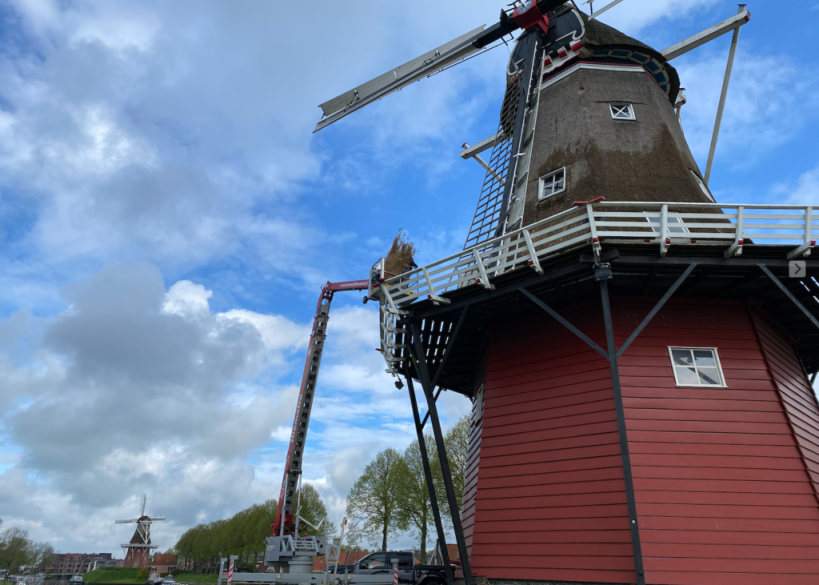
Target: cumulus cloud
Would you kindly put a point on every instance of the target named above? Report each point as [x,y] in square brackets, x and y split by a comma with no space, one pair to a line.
[138,395]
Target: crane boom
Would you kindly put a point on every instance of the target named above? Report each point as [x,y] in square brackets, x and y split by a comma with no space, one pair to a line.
[292,468]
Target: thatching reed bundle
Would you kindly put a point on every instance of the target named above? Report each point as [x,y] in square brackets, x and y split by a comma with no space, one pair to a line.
[401,255]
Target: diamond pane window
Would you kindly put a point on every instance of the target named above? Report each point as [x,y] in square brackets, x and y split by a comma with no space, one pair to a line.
[552,183]
[696,366]
[622,111]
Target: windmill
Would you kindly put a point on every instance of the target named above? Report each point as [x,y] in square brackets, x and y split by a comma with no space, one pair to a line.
[138,550]
[619,435]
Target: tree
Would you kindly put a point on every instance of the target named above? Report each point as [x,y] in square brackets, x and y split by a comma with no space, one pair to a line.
[311,507]
[456,442]
[42,555]
[414,507]
[371,501]
[15,548]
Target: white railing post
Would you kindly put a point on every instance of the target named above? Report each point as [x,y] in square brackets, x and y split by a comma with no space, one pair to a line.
[808,241]
[736,247]
[533,260]
[665,241]
[595,240]
[483,280]
[431,290]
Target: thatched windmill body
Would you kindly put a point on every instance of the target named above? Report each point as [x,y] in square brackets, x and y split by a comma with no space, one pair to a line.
[638,356]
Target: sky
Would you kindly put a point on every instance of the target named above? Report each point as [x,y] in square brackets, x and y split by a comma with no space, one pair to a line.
[167,219]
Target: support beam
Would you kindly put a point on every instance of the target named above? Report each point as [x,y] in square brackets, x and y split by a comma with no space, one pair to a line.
[485,144]
[602,10]
[707,35]
[433,498]
[565,323]
[454,510]
[621,430]
[722,97]
[790,295]
[426,416]
[655,310]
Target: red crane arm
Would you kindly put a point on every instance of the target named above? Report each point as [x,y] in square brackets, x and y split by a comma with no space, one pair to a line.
[292,466]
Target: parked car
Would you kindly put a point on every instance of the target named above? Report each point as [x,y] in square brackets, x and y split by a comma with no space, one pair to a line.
[75,579]
[342,569]
[381,563]
[168,580]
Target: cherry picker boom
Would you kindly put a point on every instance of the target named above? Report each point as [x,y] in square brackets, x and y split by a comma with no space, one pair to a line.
[283,544]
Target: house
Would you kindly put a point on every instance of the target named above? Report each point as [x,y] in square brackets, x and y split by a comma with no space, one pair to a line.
[163,563]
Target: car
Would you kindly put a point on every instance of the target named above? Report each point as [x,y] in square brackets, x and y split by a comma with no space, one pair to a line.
[75,579]
[168,580]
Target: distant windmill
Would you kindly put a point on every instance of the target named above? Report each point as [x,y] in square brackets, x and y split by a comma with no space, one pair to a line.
[138,551]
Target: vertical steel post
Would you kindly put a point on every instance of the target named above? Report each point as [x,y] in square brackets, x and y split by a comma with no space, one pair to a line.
[433,498]
[621,430]
[221,570]
[722,97]
[423,374]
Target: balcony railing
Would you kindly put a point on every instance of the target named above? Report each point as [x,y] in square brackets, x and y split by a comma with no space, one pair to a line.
[660,224]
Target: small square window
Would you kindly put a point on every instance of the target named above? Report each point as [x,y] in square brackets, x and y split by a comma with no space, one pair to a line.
[696,366]
[622,111]
[552,184]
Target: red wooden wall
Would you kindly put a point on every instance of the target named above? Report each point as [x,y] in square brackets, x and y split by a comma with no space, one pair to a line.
[797,396]
[473,458]
[722,489]
[722,492]
[551,501]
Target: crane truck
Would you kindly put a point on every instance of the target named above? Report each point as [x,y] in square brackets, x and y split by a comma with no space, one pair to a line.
[286,548]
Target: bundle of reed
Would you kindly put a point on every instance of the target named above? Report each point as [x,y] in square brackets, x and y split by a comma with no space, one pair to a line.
[400,258]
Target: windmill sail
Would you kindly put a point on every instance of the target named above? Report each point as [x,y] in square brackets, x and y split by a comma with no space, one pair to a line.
[422,66]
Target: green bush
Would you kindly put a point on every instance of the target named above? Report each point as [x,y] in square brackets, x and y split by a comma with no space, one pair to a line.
[143,573]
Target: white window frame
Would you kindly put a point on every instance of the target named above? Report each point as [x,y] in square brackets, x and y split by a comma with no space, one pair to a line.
[541,182]
[629,110]
[674,367]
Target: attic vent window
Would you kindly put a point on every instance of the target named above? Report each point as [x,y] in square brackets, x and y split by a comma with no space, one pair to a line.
[696,366]
[622,111]
[553,183]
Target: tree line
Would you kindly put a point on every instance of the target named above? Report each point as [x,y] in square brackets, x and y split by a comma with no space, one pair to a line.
[244,534]
[389,498]
[18,550]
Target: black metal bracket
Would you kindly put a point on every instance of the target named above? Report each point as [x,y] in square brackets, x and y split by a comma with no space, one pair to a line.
[623,436]
[433,498]
[789,294]
[419,358]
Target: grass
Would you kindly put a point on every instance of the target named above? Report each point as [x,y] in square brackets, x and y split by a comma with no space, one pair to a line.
[129,577]
[196,578]
[121,576]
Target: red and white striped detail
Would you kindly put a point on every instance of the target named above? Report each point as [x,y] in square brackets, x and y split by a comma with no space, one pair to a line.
[230,573]
[395,574]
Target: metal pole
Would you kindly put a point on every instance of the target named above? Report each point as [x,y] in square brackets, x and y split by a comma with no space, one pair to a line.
[221,570]
[298,508]
[423,374]
[621,430]
[722,97]
[433,498]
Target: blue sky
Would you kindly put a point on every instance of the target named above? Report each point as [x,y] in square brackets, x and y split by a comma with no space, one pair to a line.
[168,218]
